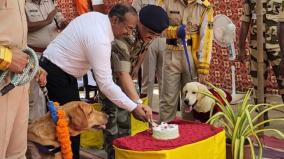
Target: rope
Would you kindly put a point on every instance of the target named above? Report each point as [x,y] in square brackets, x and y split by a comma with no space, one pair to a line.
[182,36]
[20,79]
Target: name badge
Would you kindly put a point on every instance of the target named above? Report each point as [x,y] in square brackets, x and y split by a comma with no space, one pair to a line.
[174,12]
[33,10]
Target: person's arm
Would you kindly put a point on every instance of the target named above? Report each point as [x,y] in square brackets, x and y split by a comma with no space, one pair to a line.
[245,24]
[205,45]
[60,20]
[13,59]
[281,41]
[34,26]
[136,68]
[99,55]
[121,64]
[126,83]
[99,58]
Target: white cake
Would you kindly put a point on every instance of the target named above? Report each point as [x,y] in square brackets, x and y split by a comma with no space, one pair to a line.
[165,131]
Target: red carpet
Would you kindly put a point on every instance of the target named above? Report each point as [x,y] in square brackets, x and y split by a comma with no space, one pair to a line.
[190,132]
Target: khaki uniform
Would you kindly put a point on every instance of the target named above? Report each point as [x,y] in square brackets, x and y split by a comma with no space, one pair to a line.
[153,61]
[138,4]
[281,15]
[39,40]
[14,105]
[271,50]
[124,56]
[39,12]
[153,67]
[195,14]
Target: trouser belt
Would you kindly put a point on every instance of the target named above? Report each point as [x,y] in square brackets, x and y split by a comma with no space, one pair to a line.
[176,42]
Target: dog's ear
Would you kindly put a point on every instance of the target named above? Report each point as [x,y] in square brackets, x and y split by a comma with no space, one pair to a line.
[78,120]
[201,88]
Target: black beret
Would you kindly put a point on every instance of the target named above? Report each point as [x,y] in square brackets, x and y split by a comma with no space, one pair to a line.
[154,18]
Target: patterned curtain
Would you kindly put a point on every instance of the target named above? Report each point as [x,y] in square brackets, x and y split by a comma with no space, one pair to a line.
[110,3]
[220,70]
[68,9]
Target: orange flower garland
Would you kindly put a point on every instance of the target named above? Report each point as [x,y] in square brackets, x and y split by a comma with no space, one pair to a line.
[63,135]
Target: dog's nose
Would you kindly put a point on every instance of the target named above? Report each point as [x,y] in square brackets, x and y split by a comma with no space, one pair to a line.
[186,101]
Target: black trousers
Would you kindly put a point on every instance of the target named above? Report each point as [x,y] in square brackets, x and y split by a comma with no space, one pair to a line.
[63,88]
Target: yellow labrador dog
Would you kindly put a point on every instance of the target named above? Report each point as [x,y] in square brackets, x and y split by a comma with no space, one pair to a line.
[80,116]
[199,103]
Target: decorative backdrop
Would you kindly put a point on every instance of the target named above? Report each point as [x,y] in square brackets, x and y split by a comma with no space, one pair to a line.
[68,9]
[220,70]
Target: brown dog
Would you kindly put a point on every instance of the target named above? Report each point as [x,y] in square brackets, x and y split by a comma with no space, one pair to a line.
[80,116]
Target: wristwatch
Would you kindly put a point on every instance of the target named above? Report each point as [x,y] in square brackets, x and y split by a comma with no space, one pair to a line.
[138,101]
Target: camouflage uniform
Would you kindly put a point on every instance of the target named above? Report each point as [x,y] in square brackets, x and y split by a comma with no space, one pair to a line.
[281,14]
[197,15]
[125,54]
[271,50]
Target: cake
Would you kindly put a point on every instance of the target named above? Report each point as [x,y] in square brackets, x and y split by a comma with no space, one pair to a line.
[165,131]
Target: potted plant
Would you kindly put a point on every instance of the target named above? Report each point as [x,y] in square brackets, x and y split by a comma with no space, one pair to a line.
[242,126]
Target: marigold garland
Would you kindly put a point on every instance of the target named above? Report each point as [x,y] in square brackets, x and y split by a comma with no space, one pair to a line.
[63,135]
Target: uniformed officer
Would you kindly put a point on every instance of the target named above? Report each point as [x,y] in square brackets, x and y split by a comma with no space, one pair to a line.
[125,52]
[153,61]
[14,105]
[271,50]
[197,16]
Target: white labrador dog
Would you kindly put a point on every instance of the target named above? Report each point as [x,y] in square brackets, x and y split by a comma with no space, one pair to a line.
[198,102]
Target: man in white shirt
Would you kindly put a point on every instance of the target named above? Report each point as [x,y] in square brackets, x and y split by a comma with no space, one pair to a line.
[86,43]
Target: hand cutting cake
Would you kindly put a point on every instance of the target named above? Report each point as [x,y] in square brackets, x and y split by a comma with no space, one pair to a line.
[165,131]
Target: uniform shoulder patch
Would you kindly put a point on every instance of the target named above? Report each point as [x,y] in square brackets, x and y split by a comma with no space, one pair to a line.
[120,46]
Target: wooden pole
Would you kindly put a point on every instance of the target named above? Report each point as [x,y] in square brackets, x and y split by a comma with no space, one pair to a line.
[260,61]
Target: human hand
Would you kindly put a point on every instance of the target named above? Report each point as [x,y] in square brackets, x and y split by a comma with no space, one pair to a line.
[181,32]
[202,78]
[41,77]
[51,16]
[19,61]
[143,113]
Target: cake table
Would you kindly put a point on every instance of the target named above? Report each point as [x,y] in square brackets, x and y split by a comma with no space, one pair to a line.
[196,141]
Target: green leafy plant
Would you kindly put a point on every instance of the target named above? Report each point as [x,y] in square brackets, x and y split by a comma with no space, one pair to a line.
[243,126]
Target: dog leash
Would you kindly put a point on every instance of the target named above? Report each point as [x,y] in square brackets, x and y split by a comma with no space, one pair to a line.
[28,74]
[53,113]
[182,35]
[50,105]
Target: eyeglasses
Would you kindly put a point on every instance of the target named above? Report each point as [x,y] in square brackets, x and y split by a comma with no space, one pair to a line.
[129,28]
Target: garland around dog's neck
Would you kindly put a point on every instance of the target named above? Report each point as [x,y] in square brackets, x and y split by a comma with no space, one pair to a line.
[62,130]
